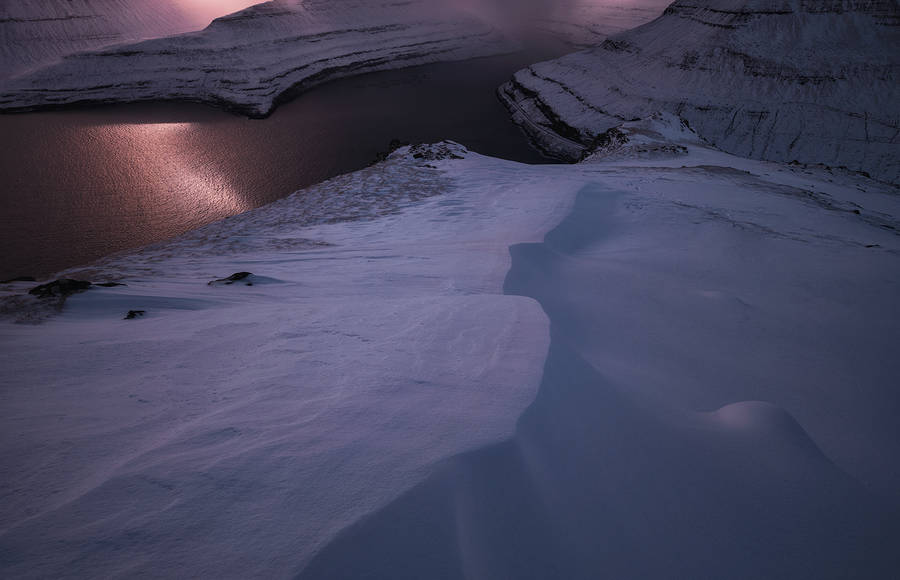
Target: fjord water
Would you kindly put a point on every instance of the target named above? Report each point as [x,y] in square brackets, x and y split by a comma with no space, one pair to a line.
[79,184]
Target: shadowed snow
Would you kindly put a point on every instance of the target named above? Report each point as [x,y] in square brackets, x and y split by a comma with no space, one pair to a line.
[647,367]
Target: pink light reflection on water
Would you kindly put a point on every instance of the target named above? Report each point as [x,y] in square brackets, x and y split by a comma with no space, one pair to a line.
[103,186]
[78,184]
[165,157]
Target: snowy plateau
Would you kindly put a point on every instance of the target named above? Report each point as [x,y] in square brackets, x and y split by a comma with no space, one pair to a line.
[664,361]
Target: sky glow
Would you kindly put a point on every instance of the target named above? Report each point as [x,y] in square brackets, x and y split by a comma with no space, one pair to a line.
[204,11]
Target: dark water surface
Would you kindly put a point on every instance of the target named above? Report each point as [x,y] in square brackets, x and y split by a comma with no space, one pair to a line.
[76,185]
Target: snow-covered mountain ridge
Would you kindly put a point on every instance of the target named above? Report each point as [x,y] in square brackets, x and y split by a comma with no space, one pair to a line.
[812,81]
[452,366]
[247,60]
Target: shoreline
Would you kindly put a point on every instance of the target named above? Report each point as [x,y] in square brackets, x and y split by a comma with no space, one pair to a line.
[223,160]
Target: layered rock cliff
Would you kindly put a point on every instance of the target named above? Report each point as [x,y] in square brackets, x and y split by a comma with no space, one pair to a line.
[809,80]
[247,60]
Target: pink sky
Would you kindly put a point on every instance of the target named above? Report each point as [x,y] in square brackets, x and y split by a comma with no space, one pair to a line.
[205,11]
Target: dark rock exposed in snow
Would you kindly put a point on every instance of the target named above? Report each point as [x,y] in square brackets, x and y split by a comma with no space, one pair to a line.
[60,288]
[659,136]
[244,277]
[438,151]
[51,297]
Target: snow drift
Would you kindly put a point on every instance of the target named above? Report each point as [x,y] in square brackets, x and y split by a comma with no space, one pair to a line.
[812,81]
[388,400]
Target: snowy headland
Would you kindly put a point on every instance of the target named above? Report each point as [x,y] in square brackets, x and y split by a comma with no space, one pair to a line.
[249,60]
[664,361]
[448,365]
[815,82]
[246,60]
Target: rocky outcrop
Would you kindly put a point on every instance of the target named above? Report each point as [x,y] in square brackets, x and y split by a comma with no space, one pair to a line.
[809,80]
[245,278]
[435,151]
[61,288]
[248,60]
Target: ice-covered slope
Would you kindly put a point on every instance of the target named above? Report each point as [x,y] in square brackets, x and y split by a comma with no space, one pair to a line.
[352,413]
[248,59]
[812,80]
[36,32]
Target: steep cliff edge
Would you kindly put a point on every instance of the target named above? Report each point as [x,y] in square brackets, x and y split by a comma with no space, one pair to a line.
[245,61]
[809,80]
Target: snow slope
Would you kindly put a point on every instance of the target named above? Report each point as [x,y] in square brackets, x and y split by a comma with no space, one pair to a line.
[36,32]
[234,429]
[247,60]
[580,23]
[814,81]
[387,399]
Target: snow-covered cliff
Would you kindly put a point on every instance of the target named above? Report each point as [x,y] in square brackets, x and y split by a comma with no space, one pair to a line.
[807,80]
[248,59]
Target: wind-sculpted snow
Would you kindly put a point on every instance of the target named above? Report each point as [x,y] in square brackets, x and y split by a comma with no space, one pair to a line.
[231,430]
[813,81]
[659,309]
[249,59]
[665,362]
